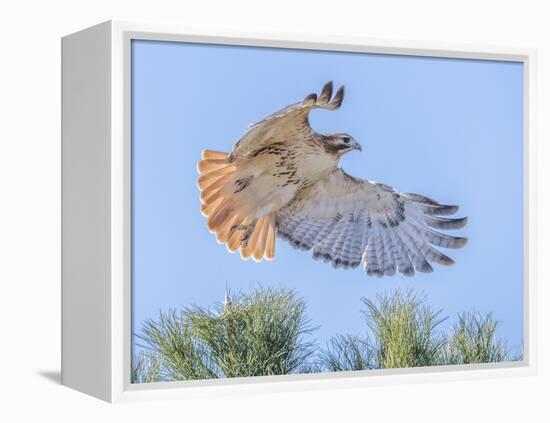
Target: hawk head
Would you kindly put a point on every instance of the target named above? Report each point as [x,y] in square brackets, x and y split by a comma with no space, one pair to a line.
[340,143]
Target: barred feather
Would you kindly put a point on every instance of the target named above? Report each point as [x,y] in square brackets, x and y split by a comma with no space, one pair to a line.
[346,221]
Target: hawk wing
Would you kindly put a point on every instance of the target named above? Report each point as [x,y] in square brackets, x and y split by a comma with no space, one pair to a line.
[349,221]
[288,125]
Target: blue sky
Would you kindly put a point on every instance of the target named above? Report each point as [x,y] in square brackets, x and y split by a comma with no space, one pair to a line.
[446,128]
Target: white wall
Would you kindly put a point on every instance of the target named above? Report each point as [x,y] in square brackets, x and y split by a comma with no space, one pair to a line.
[30,206]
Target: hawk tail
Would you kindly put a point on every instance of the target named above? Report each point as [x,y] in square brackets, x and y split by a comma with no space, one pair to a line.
[227,217]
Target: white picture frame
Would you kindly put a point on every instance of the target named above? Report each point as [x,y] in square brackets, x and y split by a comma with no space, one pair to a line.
[96,225]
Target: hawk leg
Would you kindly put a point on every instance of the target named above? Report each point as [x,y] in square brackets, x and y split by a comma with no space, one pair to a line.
[248,230]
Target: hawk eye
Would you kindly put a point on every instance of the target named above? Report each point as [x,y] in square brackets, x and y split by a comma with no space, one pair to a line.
[345,139]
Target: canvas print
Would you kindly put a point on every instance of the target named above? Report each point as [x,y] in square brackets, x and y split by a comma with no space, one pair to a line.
[301,211]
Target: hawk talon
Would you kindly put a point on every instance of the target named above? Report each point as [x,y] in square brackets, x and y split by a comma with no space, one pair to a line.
[244,240]
[249,229]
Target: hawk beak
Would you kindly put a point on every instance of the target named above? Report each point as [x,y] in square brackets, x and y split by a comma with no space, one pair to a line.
[357,146]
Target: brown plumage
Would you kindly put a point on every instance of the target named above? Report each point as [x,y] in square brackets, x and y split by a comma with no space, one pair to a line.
[282,178]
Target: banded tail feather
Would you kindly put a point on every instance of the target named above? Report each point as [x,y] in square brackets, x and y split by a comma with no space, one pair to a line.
[225,215]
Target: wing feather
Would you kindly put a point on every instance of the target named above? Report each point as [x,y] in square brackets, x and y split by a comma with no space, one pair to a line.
[379,251]
[371,261]
[389,269]
[288,125]
[346,221]
[413,245]
[404,265]
[353,247]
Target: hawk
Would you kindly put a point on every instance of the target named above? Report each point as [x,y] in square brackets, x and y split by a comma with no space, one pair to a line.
[282,179]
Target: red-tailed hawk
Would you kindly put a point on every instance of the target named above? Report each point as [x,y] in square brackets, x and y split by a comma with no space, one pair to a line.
[282,179]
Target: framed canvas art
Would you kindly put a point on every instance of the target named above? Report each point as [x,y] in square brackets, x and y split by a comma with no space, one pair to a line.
[265,212]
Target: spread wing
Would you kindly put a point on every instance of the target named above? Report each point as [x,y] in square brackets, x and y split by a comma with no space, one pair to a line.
[288,125]
[349,221]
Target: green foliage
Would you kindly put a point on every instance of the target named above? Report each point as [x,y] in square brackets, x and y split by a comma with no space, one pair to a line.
[260,333]
[404,328]
[146,368]
[406,334]
[473,340]
[256,334]
[346,353]
[265,332]
[184,356]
